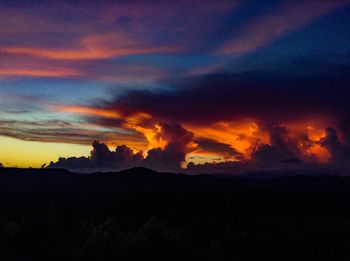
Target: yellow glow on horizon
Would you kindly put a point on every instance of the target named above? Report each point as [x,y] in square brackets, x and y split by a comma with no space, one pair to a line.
[203,157]
[24,154]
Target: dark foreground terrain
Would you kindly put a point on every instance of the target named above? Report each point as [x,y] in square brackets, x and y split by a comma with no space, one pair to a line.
[143,215]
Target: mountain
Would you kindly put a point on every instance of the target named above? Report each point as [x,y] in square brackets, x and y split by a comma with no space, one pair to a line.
[142,214]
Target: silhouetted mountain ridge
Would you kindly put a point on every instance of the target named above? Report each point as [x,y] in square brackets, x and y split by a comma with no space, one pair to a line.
[130,211]
[144,179]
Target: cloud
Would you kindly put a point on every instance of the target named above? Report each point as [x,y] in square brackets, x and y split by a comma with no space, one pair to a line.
[280,149]
[207,145]
[229,96]
[37,73]
[340,154]
[19,65]
[67,132]
[92,47]
[267,28]
[51,40]
[101,159]
[262,117]
[177,143]
[256,117]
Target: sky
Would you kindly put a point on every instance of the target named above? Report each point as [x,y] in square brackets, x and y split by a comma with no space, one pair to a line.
[197,86]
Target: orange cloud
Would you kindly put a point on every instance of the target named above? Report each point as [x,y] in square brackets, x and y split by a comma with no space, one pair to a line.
[87,110]
[17,65]
[133,122]
[13,66]
[140,122]
[243,136]
[38,72]
[92,47]
[306,135]
[84,53]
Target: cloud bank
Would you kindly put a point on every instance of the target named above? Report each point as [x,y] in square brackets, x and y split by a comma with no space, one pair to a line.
[177,142]
[256,119]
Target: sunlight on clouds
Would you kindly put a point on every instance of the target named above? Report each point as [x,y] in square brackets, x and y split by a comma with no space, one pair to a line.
[240,135]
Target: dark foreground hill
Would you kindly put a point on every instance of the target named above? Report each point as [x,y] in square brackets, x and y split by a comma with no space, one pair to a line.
[144,215]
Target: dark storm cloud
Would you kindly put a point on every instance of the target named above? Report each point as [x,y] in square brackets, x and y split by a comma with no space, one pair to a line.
[340,154]
[260,95]
[279,151]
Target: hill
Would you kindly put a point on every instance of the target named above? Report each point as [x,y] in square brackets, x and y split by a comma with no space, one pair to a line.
[139,213]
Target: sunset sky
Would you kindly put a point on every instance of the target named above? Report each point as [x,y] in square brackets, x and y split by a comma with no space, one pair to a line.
[221,82]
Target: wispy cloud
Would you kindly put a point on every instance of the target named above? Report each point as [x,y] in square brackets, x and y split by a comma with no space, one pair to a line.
[267,28]
[37,73]
[19,65]
[93,47]
[41,42]
[68,132]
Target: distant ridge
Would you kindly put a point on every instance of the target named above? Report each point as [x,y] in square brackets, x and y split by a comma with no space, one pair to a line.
[66,187]
[35,171]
